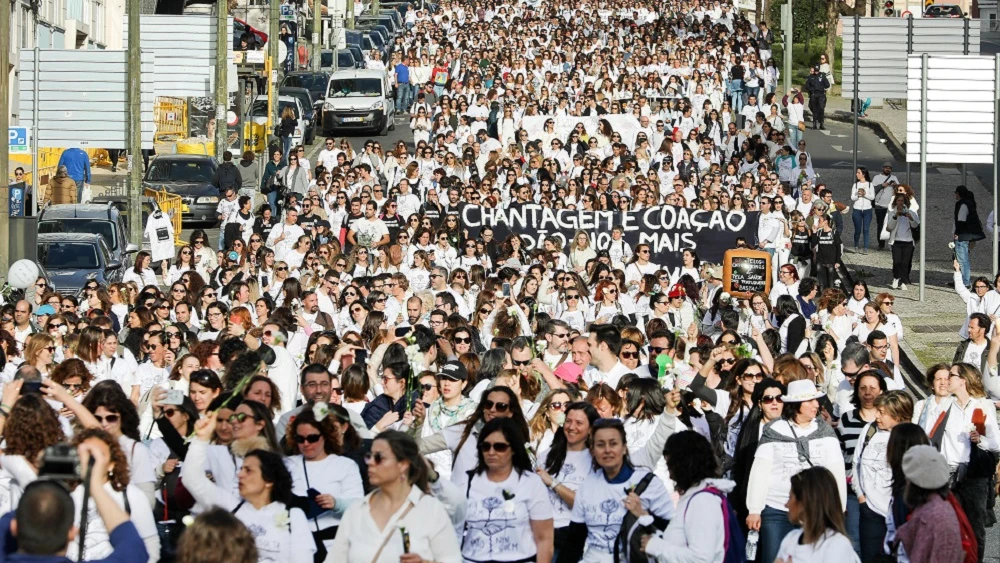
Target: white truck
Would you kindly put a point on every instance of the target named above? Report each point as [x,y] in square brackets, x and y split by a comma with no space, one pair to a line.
[359,99]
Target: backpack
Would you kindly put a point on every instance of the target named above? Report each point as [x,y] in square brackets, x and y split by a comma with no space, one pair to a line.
[628,545]
[969,544]
[734,544]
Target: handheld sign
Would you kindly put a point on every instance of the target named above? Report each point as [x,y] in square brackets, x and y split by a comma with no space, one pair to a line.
[746,271]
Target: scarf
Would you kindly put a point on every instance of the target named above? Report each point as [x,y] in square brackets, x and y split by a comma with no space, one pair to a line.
[823,430]
[441,415]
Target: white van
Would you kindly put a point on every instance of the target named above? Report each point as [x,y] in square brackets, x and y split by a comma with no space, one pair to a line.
[359,99]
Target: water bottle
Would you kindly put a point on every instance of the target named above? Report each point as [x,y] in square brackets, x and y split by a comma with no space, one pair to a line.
[752,538]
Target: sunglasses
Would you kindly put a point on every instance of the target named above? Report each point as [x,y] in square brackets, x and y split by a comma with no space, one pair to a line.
[770,399]
[498,447]
[630,355]
[240,417]
[500,407]
[169,413]
[376,457]
[427,386]
[110,419]
[311,438]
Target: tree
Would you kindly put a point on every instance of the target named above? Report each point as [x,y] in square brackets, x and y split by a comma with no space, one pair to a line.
[835,9]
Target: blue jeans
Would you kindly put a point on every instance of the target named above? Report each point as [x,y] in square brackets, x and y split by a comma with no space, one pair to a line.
[853,520]
[774,526]
[872,531]
[736,96]
[403,97]
[286,145]
[794,135]
[272,201]
[862,224]
[962,255]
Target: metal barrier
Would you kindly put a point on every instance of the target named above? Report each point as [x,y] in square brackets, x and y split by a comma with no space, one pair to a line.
[172,205]
[48,159]
[171,117]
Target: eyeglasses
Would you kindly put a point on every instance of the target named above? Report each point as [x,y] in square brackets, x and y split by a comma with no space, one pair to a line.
[521,362]
[498,447]
[630,355]
[769,399]
[240,417]
[427,386]
[110,419]
[311,438]
[489,405]
[376,457]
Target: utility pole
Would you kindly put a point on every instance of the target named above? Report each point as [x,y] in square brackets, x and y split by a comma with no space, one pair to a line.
[274,13]
[317,25]
[375,7]
[221,77]
[135,226]
[786,27]
[350,14]
[5,126]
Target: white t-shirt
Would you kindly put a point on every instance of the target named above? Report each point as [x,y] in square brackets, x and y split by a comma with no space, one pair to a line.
[498,517]
[599,505]
[832,548]
[334,475]
[575,468]
[97,545]
[974,353]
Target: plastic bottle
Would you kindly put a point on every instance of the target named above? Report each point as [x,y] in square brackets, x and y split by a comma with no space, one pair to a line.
[752,539]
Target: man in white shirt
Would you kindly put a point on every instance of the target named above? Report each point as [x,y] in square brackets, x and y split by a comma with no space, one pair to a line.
[370,231]
[283,371]
[973,350]
[155,370]
[284,236]
[328,156]
[605,342]
[557,350]
[407,203]
[884,185]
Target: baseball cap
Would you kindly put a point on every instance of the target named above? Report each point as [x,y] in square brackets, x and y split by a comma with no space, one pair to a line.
[568,371]
[454,370]
[45,310]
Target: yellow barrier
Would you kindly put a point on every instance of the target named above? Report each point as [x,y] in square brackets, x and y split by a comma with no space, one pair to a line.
[171,117]
[48,159]
[172,205]
[254,137]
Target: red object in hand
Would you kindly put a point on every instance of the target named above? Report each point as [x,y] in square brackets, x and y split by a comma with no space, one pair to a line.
[979,420]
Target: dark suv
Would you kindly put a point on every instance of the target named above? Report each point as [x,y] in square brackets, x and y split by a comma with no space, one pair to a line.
[104,220]
[73,259]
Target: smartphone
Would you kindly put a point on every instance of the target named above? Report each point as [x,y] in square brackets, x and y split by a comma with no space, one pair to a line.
[402,331]
[174,397]
[360,356]
[506,289]
[31,387]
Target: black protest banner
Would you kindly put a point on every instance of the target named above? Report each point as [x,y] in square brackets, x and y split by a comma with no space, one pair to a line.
[667,229]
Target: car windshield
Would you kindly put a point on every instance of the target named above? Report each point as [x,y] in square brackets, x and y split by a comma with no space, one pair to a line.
[89,226]
[260,108]
[344,87]
[180,171]
[944,11]
[68,255]
[309,81]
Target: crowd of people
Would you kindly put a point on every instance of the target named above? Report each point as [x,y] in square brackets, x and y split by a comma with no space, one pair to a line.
[352,375]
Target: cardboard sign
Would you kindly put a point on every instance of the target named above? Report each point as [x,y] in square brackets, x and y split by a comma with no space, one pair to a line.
[746,271]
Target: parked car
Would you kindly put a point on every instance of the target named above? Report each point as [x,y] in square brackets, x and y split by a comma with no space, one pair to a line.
[189,176]
[359,99]
[314,81]
[943,11]
[345,59]
[103,219]
[73,259]
[308,110]
[120,202]
[259,115]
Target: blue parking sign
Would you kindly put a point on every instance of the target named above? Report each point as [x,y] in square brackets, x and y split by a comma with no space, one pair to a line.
[17,140]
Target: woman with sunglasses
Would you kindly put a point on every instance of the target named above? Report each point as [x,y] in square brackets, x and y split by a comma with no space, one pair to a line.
[508,513]
[422,526]
[184,262]
[473,256]
[599,505]
[205,259]
[608,304]
[799,440]
[216,321]
[117,416]
[327,482]
[548,419]
[262,500]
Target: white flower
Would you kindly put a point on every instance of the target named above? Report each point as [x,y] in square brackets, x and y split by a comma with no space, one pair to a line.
[725,297]
[560,419]
[508,506]
[512,310]
[187,520]
[320,410]
[951,245]
[541,346]
[281,519]
[970,428]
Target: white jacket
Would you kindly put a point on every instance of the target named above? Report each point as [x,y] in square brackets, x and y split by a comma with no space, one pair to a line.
[697,534]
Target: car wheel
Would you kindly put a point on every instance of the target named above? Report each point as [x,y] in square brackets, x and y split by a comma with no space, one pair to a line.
[385,128]
[392,123]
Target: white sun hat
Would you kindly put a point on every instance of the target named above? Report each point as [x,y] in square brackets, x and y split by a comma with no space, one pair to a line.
[801,391]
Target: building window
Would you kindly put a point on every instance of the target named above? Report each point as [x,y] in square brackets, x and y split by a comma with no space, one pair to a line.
[97,23]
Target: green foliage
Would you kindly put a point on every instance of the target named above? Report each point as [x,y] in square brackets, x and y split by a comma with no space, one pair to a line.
[803,58]
[806,14]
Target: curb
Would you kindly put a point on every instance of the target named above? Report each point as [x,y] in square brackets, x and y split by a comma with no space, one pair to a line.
[895,146]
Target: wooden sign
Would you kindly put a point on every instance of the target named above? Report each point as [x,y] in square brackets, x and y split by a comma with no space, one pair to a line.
[746,271]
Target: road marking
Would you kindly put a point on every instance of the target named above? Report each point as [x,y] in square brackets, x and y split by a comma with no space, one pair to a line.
[840,148]
[842,164]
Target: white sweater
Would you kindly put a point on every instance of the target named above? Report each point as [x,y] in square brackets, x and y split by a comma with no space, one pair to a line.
[832,548]
[697,533]
[872,474]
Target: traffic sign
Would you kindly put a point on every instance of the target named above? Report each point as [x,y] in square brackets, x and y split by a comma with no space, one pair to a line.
[17,140]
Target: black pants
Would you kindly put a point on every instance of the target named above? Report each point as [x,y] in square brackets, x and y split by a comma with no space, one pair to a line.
[880,213]
[973,494]
[817,105]
[114,155]
[902,260]
[825,274]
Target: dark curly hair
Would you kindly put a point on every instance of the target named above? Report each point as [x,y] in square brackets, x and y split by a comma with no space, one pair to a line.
[119,473]
[70,368]
[109,394]
[244,364]
[32,426]
[690,459]
[327,429]
[273,471]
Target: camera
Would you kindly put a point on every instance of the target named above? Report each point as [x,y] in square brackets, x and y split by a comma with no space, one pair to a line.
[61,462]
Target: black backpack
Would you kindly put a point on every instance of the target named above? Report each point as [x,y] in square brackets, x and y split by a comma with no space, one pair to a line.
[628,545]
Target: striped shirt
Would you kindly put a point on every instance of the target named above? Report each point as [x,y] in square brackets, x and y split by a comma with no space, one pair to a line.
[849,432]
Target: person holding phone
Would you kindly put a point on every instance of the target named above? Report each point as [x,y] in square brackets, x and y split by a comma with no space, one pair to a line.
[863,197]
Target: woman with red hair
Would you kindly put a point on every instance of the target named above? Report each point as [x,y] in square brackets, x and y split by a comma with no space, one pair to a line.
[607,303]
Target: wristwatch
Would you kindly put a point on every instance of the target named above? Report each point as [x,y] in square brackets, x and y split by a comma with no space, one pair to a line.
[554,484]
